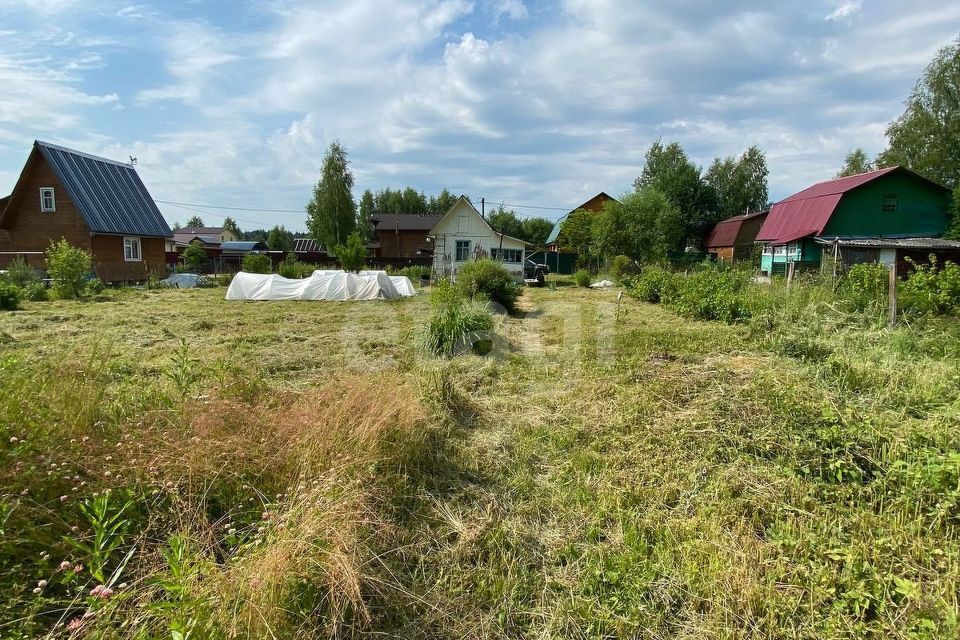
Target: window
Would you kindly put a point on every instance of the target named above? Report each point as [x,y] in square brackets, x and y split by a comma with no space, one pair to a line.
[131,249]
[780,250]
[463,250]
[48,203]
[506,255]
[889,204]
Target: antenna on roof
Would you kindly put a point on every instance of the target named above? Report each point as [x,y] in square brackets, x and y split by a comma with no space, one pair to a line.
[133,161]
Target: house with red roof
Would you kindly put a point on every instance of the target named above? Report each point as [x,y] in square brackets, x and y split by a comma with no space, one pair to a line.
[883,216]
[732,240]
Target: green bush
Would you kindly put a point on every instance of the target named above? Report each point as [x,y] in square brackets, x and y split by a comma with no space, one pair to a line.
[195,259]
[414,272]
[457,323]
[353,254]
[69,268]
[257,263]
[293,268]
[94,286]
[865,285]
[711,293]
[491,280]
[36,292]
[931,291]
[582,277]
[20,273]
[9,295]
[622,267]
[648,285]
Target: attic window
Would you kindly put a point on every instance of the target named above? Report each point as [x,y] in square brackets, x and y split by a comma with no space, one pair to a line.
[48,203]
[889,204]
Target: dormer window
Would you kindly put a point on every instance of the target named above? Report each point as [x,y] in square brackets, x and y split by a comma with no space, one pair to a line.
[48,203]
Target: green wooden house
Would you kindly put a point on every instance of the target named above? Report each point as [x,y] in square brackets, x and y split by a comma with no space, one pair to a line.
[879,216]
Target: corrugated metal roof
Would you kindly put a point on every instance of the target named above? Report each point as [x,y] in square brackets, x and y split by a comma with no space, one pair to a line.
[725,232]
[180,236]
[204,231]
[893,243]
[406,221]
[241,245]
[555,232]
[839,185]
[108,194]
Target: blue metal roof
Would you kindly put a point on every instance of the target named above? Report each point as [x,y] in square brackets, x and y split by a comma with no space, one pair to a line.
[108,194]
[555,232]
[244,246]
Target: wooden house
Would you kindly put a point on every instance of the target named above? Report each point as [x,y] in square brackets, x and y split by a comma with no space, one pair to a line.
[732,240]
[403,235]
[594,204]
[878,216]
[462,235]
[94,203]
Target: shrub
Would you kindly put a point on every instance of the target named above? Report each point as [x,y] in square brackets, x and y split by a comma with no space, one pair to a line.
[709,294]
[257,263]
[457,323]
[490,279]
[621,267]
[195,259]
[414,272]
[865,285]
[582,277]
[9,295]
[69,268]
[353,254]
[20,273]
[648,285]
[36,292]
[293,268]
[94,286]
[929,291]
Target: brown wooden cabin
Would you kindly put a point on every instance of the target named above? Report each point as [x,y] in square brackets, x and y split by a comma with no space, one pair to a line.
[731,240]
[94,203]
[403,235]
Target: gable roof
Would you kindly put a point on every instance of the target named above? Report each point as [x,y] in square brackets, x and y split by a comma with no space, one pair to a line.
[464,199]
[180,236]
[201,231]
[725,232]
[807,212]
[405,221]
[555,232]
[109,195]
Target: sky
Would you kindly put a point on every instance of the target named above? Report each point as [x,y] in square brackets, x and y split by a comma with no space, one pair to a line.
[538,105]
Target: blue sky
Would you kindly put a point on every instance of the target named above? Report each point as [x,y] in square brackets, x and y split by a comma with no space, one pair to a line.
[523,102]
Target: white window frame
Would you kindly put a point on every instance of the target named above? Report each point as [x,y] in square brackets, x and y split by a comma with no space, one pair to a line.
[44,192]
[465,244]
[135,253]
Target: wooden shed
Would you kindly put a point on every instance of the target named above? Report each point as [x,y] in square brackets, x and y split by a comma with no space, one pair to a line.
[731,240]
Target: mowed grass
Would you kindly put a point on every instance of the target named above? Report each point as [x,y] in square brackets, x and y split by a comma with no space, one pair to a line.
[613,471]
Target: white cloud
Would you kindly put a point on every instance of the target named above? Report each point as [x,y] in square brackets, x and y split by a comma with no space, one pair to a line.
[845,10]
[513,9]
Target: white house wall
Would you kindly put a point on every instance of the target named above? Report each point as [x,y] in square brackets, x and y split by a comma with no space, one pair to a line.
[464,223]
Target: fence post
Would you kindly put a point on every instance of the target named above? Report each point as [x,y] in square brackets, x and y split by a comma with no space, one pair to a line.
[892,291]
[790,269]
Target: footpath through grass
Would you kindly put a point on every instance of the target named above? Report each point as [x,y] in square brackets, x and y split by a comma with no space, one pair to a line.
[613,471]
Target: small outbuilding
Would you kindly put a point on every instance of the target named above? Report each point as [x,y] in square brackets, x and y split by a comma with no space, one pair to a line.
[732,240]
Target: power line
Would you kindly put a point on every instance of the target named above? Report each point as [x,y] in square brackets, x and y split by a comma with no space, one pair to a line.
[216,206]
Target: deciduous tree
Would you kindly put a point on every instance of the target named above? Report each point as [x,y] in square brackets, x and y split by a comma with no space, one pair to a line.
[279,239]
[644,225]
[332,213]
[926,138]
[855,162]
[195,221]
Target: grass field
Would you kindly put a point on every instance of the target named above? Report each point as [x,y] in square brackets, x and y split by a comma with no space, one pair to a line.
[612,471]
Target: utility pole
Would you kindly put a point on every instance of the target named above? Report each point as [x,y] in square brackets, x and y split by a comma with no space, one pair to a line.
[483,209]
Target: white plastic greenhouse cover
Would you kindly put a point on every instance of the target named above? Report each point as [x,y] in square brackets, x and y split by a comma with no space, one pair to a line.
[321,285]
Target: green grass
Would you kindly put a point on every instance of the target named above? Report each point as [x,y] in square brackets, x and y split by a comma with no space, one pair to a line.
[614,471]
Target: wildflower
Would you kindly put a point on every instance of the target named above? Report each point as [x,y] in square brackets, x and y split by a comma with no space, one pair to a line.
[85,438]
[101,591]
[73,441]
[77,568]
[109,458]
[122,585]
[37,590]
[74,528]
[66,565]
[76,478]
[14,439]
[107,473]
[74,624]
[63,498]
[42,584]
[231,532]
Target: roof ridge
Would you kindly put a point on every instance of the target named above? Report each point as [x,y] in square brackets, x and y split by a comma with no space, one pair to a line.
[82,154]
